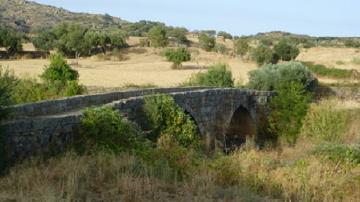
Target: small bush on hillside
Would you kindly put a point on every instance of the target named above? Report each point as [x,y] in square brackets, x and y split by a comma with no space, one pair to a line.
[286,51]
[267,77]
[241,46]
[157,36]
[177,56]
[225,35]
[166,117]
[287,110]
[352,43]
[264,55]
[144,43]
[179,34]
[339,152]
[220,48]
[104,129]
[217,76]
[207,42]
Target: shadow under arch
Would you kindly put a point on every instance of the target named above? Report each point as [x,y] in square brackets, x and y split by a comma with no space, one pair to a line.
[242,128]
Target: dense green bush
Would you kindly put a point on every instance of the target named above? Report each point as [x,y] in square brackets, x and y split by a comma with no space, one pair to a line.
[352,43]
[322,70]
[267,77]
[286,51]
[59,70]
[217,75]
[105,130]
[177,56]
[158,37]
[8,83]
[339,152]
[166,117]
[287,110]
[207,42]
[264,55]
[179,34]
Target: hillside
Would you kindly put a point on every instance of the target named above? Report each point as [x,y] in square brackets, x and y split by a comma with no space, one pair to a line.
[27,16]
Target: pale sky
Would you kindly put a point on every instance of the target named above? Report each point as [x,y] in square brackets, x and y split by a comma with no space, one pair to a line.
[312,17]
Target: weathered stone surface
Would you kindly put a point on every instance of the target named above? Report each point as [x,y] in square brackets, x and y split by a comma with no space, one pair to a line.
[45,127]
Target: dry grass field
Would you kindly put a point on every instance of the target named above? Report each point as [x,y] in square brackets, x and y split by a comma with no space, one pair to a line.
[140,66]
[143,66]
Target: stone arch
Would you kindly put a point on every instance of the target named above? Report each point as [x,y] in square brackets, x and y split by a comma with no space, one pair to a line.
[242,127]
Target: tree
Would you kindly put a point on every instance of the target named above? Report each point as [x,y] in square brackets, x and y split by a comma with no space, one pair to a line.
[157,36]
[179,34]
[8,83]
[241,46]
[45,40]
[207,42]
[264,55]
[177,56]
[225,35]
[10,40]
[286,51]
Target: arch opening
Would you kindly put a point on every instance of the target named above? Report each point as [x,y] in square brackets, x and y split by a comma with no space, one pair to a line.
[242,128]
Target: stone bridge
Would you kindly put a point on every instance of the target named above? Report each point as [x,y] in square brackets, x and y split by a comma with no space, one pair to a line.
[225,117]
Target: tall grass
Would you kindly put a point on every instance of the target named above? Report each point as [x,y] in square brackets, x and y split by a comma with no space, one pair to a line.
[323,71]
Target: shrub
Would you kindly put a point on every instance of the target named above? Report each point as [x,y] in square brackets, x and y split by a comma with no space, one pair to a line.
[177,56]
[225,35]
[164,116]
[339,153]
[352,43]
[322,70]
[287,110]
[144,43]
[241,46]
[157,36]
[267,77]
[264,55]
[59,70]
[8,83]
[220,48]
[103,129]
[10,40]
[29,90]
[286,51]
[180,35]
[217,76]
[207,42]
[323,123]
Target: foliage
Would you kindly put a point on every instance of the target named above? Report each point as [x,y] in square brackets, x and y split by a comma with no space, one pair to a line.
[179,34]
[350,43]
[177,56]
[207,42]
[59,70]
[8,83]
[103,129]
[322,70]
[241,46]
[323,123]
[10,40]
[217,75]
[45,40]
[288,108]
[166,117]
[225,35]
[157,36]
[286,51]
[264,55]
[267,77]
[141,28]
[339,152]
[220,48]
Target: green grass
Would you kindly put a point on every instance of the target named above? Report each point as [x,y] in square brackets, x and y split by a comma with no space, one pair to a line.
[323,71]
